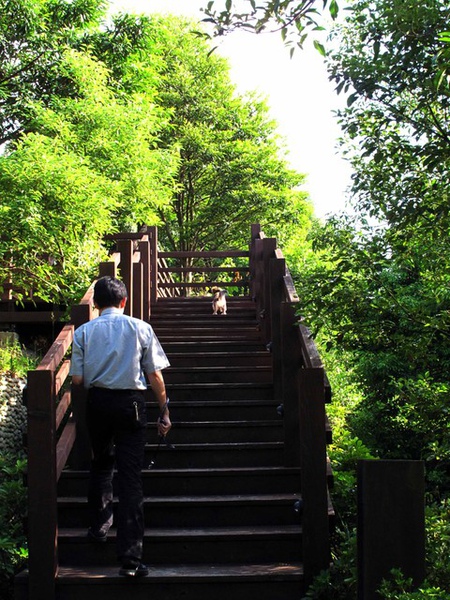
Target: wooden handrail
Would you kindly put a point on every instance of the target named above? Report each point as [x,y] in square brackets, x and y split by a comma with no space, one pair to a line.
[300,386]
[47,454]
[56,424]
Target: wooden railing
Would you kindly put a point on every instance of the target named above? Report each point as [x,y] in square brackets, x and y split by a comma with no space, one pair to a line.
[56,423]
[56,412]
[191,271]
[301,386]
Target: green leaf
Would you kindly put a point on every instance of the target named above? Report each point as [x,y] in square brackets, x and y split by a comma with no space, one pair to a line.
[334,9]
[320,48]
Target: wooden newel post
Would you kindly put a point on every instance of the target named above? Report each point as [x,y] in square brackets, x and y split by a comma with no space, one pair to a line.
[107,268]
[315,523]
[258,278]
[276,274]
[391,522]
[268,248]
[153,239]
[81,451]
[138,306]
[291,364]
[144,249]
[255,231]
[126,271]
[42,496]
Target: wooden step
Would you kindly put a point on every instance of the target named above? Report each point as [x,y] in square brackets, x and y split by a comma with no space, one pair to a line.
[212,345]
[216,374]
[220,455]
[219,391]
[266,581]
[210,432]
[229,322]
[220,359]
[221,410]
[206,334]
[161,482]
[245,545]
[197,511]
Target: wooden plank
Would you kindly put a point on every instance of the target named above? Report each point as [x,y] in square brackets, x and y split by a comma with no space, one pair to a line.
[42,511]
[205,254]
[154,266]
[269,247]
[126,236]
[138,277]
[61,375]
[144,249]
[310,353]
[391,522]
[277,268]
[64,447]
[204,270]
[316,545]
[58,349]
[183,284]
[62,408]
[41,316]
[291,362]
[289,288]
[126,271]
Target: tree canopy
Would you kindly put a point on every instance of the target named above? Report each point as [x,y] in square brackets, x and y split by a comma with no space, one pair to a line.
[380,284]
[134,121]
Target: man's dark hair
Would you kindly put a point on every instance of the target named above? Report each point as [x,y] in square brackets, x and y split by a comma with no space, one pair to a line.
[109,291]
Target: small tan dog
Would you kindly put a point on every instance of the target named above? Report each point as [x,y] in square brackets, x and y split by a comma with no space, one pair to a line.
[219,303]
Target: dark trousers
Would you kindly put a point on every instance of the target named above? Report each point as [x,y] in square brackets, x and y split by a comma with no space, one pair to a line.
[116,422]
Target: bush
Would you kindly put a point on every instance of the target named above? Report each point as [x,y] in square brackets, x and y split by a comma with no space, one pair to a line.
[14,363]
[13,505]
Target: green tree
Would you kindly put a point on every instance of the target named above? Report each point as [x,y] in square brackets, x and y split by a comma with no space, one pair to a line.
[89,168]
[384,275]
[33,36]
[232,170]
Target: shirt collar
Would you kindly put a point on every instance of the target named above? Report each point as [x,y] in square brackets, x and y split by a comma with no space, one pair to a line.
[112,310]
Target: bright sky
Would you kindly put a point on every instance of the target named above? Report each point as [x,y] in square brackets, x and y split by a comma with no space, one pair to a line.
[298,92]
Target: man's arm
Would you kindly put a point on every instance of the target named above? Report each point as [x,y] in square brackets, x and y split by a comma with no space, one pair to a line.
[157,384]
[77,379]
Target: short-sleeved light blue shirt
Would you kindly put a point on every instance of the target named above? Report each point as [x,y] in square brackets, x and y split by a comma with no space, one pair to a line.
[114,351]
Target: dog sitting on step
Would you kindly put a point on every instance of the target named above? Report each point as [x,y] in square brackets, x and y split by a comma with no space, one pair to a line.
[219,302]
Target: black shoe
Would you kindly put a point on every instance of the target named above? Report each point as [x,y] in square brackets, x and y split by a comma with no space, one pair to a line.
[133,570]
[97,536]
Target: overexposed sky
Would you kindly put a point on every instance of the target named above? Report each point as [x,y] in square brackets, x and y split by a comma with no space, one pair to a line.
[298,93]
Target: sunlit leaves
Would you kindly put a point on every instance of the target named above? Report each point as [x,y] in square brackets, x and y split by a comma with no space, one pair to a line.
[294,19]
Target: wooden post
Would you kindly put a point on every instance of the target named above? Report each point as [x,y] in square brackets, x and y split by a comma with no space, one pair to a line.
[107,269]
[258,279]
[144,249]
[42,496]
[277,269]
[81,452]
[153,238]
[126,271]
[391,522]
[255,231]
[291,363]
[81,313]
[269,246]
[315,525]
[137,290]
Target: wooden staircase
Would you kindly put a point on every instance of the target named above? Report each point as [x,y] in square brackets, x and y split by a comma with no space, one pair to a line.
[219,507]
[224,514]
